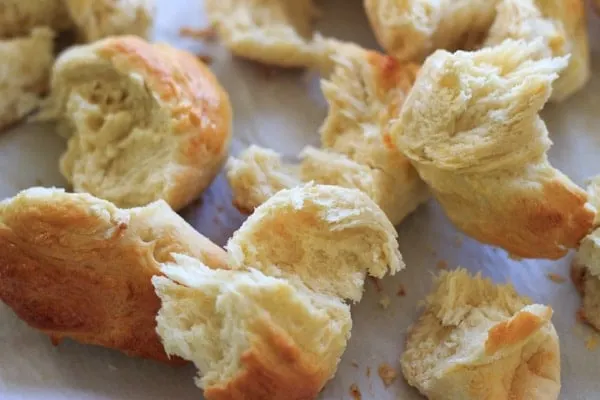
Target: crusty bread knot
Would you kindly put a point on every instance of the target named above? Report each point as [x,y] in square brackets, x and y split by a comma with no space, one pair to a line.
[143,121]
[413,29]
[275,325]
[274,32]
[471,128]
[476,340]
[268,319]
[75,266]
[364,90]
[26,65]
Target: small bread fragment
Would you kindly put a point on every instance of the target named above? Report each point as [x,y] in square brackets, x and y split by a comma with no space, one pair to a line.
[585,269]
[340,235]
[413,29]
[19,17]
[364,90]
[251,336]
[274,32]
[143,121]
[75,266]
[471,128]
[276,324]
[562,26]
[97,19]
[257,175]
[477,340]
[26,64]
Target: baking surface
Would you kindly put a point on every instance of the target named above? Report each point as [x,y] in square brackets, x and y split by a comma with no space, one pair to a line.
[283,110]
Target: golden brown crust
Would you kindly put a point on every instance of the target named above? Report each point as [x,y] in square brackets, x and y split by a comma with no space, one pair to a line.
[481,146]
[74,266]
[512,331]
[273,368]
[169,118]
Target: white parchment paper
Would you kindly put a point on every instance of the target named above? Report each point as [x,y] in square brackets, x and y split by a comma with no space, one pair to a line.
[283,111]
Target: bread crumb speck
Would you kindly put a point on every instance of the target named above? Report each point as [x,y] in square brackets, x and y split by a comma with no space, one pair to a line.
[442,264]
[591,342]
[401,291]
[384,301]
[368,372]
[354,363]
[556,278]
[205,58]
[387,374]
[580,316]
[208,33]
[355,392]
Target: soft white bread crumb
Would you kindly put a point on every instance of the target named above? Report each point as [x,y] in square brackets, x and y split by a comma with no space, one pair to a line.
[276,32]
[471,128]
[19,17]
[276,324]
[562,26]
[257,175]
[235,324]
[24,74]
[412,29]
[339,236]
[476,340]
[97,19]
[364,90]
[75,266]
[144,121]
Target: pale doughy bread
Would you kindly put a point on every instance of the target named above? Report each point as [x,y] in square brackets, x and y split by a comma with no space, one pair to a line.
[364,90]
[412,29]
[471,128]
[97,19]
[340,235]
[19,17]
[78,267]
[144,121]
[275,32]
[24,72]
[276,325]
[250,335]
[562,26]
[257,175]
[476,340]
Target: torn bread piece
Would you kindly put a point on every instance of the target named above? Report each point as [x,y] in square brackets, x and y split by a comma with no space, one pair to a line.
[562,26]
[364,91]
[276,324]
[471,128]
[24,74]
[413,29]
[585,269]
[97,19]
[340,235]
[274,32]
[143,121]
[20,17]
[75,266]
[251,336]
[477,340]
[257,175]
